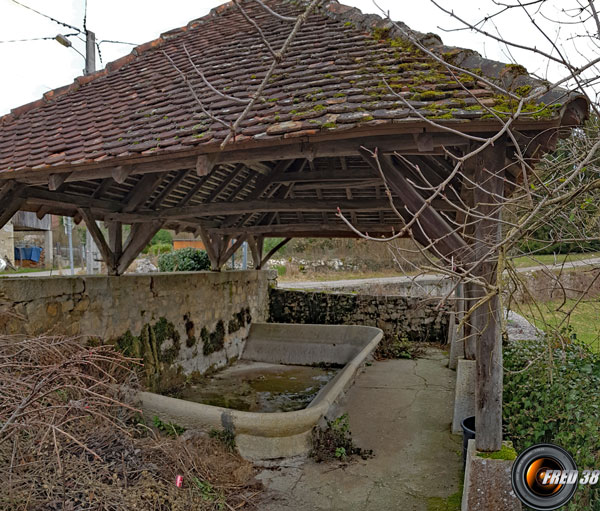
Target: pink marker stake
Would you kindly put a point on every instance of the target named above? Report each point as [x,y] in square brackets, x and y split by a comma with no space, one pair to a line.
[179,481]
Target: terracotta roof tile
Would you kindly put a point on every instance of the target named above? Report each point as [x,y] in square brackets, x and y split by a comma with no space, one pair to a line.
[333,78]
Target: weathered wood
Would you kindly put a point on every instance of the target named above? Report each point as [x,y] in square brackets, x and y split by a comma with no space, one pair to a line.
[98,236]
[431,230]
[487,322]
[261,186]
[273,251]
[253,245]
[48,198]
[115,238]
[8,207]
[257,166]
[325,176]
[142,192]
[292,229]
[164,194]
[205,163]
[252,206]
[121,173]
[140,236]
[55,181]
[232,249]
[210,248]
[225,183]
[424,142]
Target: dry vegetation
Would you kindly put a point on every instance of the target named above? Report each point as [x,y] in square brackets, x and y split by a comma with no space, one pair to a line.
[71,438]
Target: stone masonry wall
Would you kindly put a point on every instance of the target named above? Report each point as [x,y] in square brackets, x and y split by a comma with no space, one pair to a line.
[7,245]
[413,318]
[546,285]
[190,321]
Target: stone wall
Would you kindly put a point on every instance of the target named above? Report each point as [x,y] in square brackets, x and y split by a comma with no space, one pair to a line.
[190,321]
[546,285]
[400,317]
[7,245]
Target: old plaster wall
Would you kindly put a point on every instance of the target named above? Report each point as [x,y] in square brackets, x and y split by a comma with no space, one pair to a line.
[400,317]
[188,320]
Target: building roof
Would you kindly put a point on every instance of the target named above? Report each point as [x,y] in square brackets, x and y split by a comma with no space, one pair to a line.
[330,82]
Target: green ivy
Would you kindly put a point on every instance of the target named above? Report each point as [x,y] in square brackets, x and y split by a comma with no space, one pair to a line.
[551,395]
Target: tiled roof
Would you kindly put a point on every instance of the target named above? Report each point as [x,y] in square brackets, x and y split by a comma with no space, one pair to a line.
[332,79]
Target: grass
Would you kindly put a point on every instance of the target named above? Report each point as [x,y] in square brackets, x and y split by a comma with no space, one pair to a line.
[548,259]
[583,320]
[21,270]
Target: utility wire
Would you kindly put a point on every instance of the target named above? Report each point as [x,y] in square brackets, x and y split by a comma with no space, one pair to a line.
[33,39]
[116,42]
[46,16]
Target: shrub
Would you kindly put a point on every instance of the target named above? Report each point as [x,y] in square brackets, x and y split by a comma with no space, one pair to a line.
[555,399]
[162,237]
[185,259]
[160,248]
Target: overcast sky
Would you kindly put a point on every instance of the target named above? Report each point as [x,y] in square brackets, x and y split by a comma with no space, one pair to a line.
[31,68]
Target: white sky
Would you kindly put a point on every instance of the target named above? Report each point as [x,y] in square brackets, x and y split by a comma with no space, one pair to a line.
[31,68]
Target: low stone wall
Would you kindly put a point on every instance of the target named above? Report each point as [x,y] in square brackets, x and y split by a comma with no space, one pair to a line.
[546,285]
[400,317]
[185,321]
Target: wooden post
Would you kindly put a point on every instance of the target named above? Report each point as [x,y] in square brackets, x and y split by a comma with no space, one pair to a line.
[488,196]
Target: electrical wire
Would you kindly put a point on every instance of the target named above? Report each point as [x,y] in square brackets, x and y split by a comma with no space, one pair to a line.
[33,39]
[47,17]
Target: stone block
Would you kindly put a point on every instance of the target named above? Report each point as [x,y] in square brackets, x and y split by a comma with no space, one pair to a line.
[488,484]
[464,397]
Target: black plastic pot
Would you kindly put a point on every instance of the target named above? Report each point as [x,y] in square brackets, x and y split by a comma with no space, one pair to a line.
[468,427]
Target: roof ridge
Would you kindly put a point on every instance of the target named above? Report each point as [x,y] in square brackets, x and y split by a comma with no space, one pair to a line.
[508,76]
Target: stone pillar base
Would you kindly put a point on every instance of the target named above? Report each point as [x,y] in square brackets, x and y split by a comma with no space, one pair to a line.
[487,484]
[464,397]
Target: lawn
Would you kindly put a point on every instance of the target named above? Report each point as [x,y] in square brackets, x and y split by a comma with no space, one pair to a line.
[21,270]
[583,321]
[547,259]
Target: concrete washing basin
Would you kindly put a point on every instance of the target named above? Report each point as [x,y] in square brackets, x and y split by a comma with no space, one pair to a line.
[279,434]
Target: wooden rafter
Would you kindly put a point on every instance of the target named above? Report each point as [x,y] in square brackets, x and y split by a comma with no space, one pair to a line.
[431,230]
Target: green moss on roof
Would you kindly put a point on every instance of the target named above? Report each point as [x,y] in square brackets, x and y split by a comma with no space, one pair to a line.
[430,95]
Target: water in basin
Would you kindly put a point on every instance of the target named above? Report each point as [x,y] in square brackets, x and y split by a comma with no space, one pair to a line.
[260,387]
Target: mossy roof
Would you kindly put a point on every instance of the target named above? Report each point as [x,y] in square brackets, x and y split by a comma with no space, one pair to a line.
[344,71]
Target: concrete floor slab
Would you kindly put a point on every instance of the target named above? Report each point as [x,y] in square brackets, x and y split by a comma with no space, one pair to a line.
[402,409]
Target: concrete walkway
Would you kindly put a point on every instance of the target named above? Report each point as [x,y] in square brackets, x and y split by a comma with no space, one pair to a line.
[402,409]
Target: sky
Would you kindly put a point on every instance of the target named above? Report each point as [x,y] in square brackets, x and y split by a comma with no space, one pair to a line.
[31,68]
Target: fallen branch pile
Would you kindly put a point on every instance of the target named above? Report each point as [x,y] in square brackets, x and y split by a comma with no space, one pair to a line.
[71,438]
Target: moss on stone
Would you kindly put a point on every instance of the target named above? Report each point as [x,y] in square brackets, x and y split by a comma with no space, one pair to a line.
[506,452]
[430,95]
[516,69]
[215,340]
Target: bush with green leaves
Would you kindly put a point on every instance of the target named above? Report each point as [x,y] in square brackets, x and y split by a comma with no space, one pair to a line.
[551,396]
[185,259]
[160,248]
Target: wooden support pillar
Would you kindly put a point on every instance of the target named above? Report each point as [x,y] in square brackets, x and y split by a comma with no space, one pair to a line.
[140,235]
[211,249]
[256,244]
[106,252]
[115,238]
[273,251]
[488,198]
